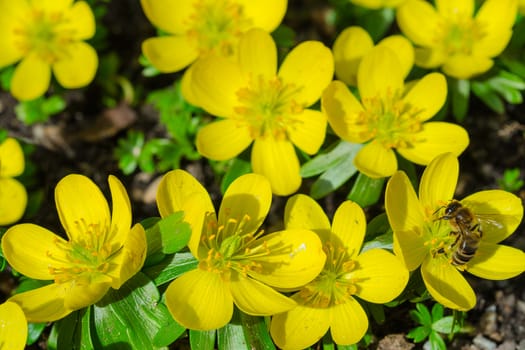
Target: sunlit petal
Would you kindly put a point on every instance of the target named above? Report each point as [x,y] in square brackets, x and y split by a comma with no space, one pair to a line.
[447,285]
[276,159]
[13,201]
[496,262]
[120,210]
[43,304]
[349,48]
[402,206]
[78,68]
[310,131]
[13,333]
[266,14]
[173,17]
[258,54]
[30,79]
[419,21]
[380,74]
[348,322]
[403,49]
[303,212]
[375,160]
[455,9]
[12,161]
[223,139]
[377,269]
[349,227]
[255,298]
[427,96]
[497,18]
[169,53]
[466,66]
[200,300]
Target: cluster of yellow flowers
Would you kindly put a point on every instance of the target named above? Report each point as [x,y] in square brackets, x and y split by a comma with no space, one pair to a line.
[309,276]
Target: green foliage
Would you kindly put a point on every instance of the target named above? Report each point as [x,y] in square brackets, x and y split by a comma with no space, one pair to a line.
[511,180]
[366,191]
[432,325]
[498,88]
[40,109]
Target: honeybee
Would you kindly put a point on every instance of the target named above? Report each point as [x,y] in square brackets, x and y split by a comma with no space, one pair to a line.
[467,229]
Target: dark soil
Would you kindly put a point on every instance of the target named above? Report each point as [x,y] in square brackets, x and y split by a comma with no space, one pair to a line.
[82,139]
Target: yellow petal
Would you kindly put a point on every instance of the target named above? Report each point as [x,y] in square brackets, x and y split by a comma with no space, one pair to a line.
[10,17]
[13,333]
[497,262]
[223,139]
[349,48]
[131,256]
[430,58]
[381,276]
[255,298]
[200,300]
[80,203]
[296,258]
[277,160]
[52,5]
[496,18]
[12,161]
[172,17]
[82,293]
[349,227]
[258,54]
[309,132]
[455,9]
[81,21]
[409,246]
[300,327]
[380,74]
[79,68]
[303,212]
[343,111]
[310,68]
[31,78]
[436,138]
[45,304]
[499,212]
[248,196]
[216,82]
[120,210]
[375,160]
[180,191]
[427,95]
[32,250]
[466,66]
[169,53]
[187,87]
[13,201]
[438,182]
[264,14]
[419,21]
[447,285]
[348,322]
[402,206]
[403,49]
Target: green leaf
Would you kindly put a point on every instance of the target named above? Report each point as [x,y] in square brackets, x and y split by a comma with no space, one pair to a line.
[460,94]
[239,166]
[231,336]
[366,191]
[256,332]
[437,312]
[171,267]
[333,178]
[34,330]
[377,226]
[175,233]
[436,342]
[488,96]
[422,315]
[328,342]
[347,347]
[418,334]
[130,316]
[384,241]
[128,151]
[202,340]
[53,105]
[446,325]
[169,332]
[72,332]
[508,85]
[329,158]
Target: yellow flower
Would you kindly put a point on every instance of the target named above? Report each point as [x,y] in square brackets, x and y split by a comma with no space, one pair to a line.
[265,106]
[13,195]
[46,36]
[237,263]
[425,232]
[391,115]
[353,43]
[196,28]
[329,301]
[13,327]
[103,250]
[521,7]
[377,4]
[450,36]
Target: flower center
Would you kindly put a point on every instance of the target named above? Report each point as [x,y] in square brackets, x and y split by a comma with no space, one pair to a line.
[335,283]
[90,253]
[217,26]
[268,108]
[460,35]
[230,247]
[389,120]
[45,34]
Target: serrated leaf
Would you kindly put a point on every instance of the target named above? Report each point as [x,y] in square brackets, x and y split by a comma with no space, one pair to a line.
[72,332]
[366,191]
[171,267]
[130,316]
[175,233]
[202,340]
[418,334]
[437,312]
[329,158]
[436,342]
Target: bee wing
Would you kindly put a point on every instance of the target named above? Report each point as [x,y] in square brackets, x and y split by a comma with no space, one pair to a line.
[492,229]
